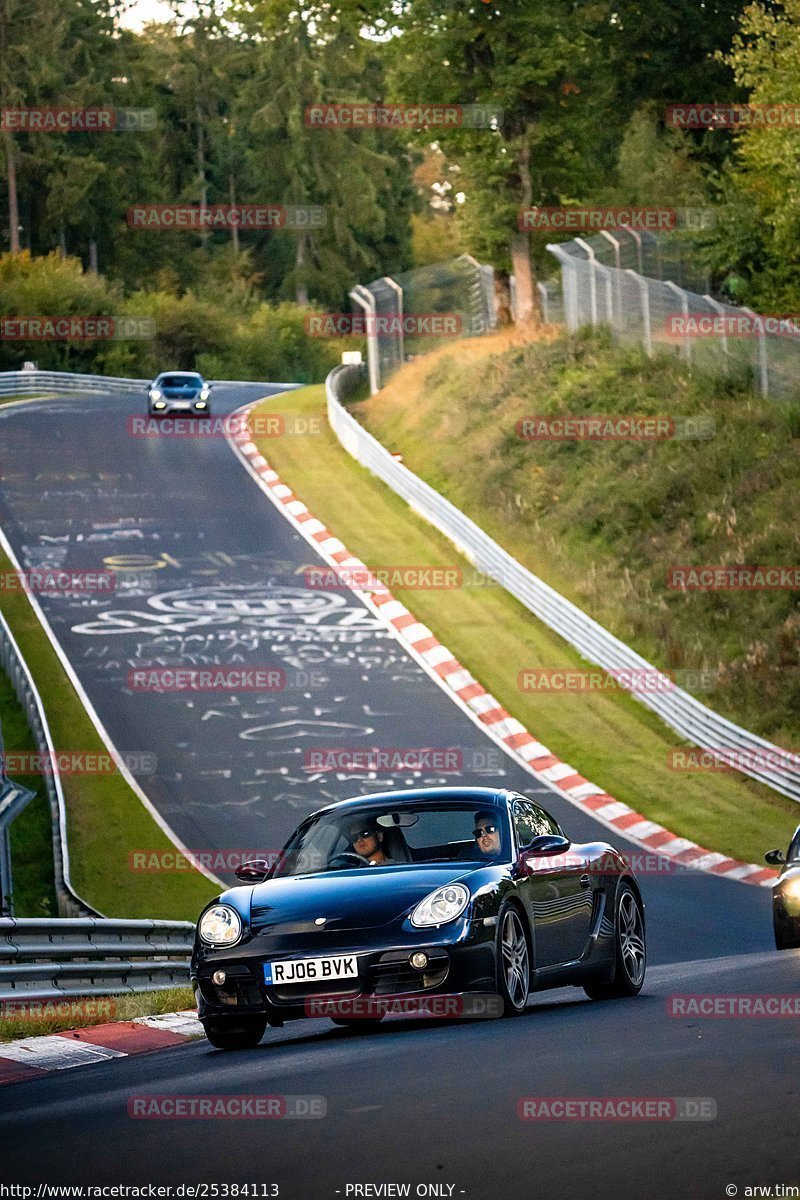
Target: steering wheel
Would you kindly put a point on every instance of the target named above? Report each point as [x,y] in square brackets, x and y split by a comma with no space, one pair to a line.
[347,858]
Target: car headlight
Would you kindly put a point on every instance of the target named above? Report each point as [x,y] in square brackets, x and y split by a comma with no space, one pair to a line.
[220,925]
[155,394]
[441,906]
[205,393]
[792,889]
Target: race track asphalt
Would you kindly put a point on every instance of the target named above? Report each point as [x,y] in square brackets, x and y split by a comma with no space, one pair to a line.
[209,573]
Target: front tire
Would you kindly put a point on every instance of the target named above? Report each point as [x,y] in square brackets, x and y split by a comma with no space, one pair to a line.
[630,956]
[787,932]
[240,1033]
[513,962]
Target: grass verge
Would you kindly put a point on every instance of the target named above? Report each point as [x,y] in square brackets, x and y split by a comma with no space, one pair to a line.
[43,1017]
[31,839]
[608,737]
[105,818]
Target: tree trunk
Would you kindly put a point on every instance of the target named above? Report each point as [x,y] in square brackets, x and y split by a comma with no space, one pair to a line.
[62,241]
[234,228]
[201,171]
[301,290]
[93,255]
[13,199]
[520,247]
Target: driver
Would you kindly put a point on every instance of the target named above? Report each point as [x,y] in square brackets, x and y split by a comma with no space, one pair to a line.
[487,832]
[367,841]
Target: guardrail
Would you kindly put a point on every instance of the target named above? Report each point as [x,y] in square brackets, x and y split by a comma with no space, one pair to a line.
[69,902]
[701,726]
[50,959]
[21,382]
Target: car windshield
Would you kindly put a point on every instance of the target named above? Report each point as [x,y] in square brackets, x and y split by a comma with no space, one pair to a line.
[379,836]
[176,381]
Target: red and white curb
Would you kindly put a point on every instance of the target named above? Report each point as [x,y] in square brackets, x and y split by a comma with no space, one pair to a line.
[33,1057]
[479,704]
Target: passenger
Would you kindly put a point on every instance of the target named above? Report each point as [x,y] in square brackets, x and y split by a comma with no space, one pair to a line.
[366,839]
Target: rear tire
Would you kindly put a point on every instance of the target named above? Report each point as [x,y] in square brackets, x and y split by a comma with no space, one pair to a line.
[630,952]
[513,961]
[235,1033]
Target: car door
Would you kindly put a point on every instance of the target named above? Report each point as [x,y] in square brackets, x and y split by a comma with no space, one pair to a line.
[559,890]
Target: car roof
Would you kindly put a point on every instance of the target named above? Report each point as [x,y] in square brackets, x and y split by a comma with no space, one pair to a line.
[494,797]
[186,374]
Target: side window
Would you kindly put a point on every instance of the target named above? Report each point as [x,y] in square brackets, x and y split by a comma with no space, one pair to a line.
[531,821]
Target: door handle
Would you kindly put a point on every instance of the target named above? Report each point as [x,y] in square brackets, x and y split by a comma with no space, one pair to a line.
[585,881]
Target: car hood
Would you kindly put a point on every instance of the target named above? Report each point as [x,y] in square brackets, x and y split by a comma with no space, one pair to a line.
[363,898]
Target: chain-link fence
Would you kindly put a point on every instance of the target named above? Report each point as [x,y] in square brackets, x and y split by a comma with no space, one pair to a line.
[600,287]
[418,310]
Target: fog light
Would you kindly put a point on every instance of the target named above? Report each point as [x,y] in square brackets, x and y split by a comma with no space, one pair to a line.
[219,978]
[159,404]
[200,404]
[419,960]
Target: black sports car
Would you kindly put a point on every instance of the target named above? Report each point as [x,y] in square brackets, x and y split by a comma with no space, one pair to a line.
[427,892]
[179,392]
[786,895]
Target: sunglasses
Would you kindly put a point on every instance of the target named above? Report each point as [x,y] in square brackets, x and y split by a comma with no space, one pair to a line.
[482,829]
[362,833]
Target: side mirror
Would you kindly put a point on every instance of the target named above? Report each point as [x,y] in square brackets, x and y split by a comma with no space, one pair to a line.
[774,858]
[255,871]
[547,843]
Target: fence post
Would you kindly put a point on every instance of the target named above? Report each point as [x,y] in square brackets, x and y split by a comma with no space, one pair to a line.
[592,277]
[618,264]
[545,300]
[686,345]
[720,309]
[644,295]
[364,299]
[400,337]
[763,364]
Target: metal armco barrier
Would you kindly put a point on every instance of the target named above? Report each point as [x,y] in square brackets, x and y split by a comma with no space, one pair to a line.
[699,725]
[14,383]
[14,665]
[51,959]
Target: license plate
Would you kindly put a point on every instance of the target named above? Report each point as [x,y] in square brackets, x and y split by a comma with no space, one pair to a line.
[311,970]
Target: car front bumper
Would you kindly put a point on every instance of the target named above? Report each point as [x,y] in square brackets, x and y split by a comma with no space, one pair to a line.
[463,960]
